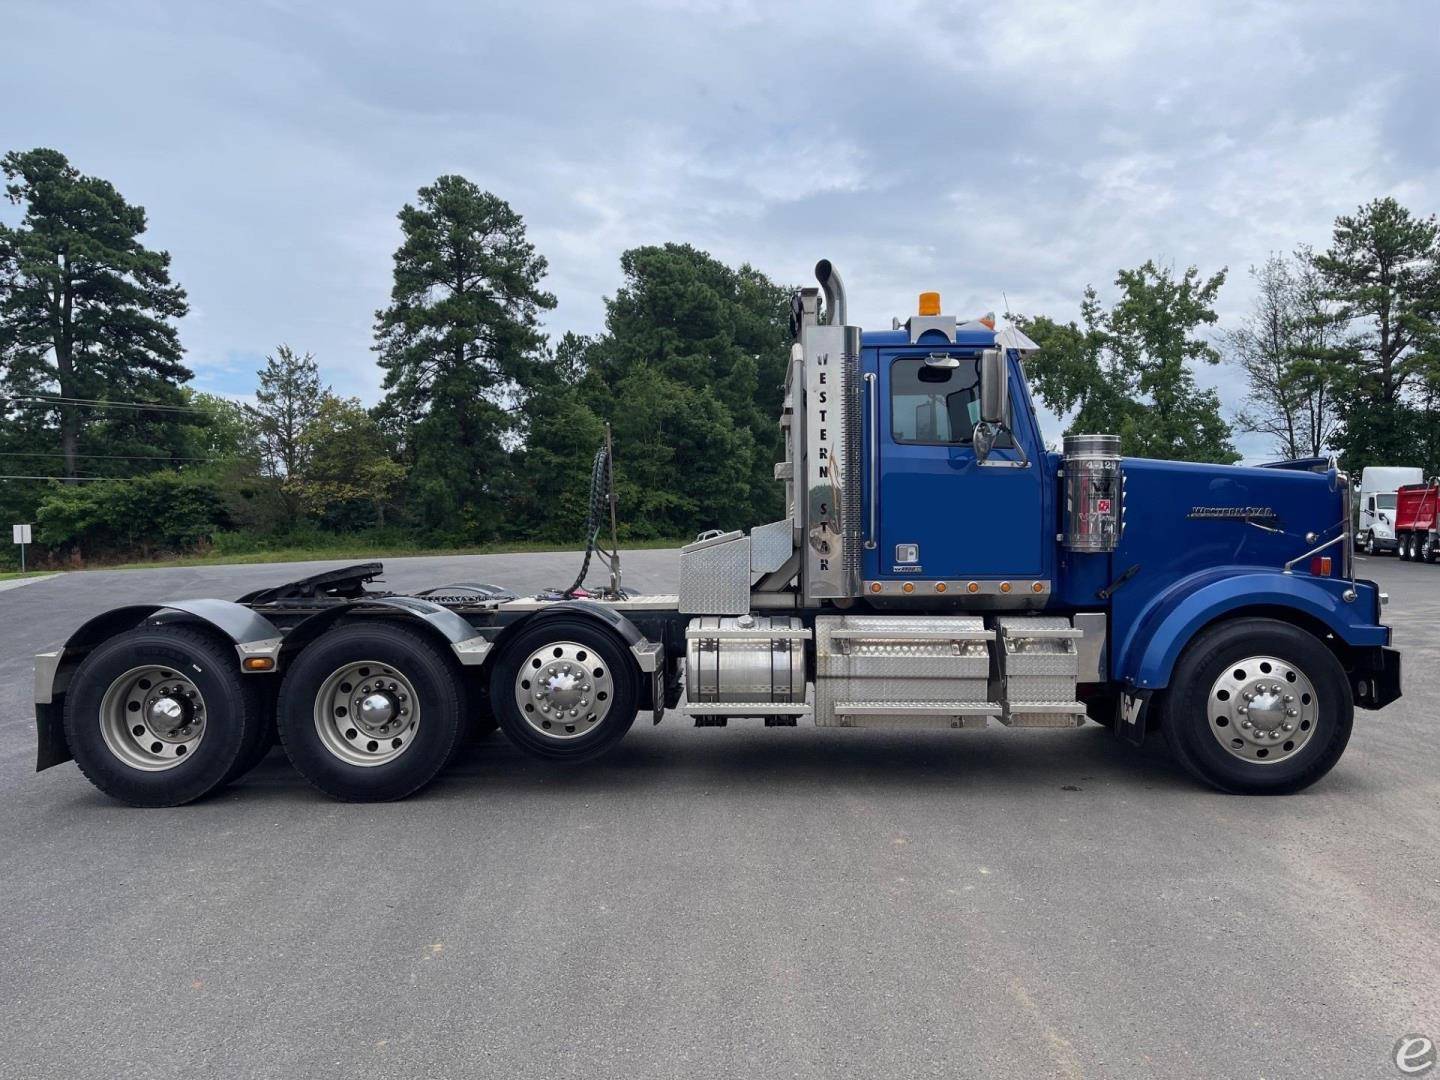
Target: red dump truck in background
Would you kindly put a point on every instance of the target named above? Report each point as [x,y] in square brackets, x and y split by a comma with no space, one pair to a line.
[1416,535]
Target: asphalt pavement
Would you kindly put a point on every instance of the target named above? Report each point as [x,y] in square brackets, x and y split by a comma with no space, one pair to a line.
[722,902]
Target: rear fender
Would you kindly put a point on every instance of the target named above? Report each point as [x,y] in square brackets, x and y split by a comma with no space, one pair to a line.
[1146,654]
[251,634]
[469,645]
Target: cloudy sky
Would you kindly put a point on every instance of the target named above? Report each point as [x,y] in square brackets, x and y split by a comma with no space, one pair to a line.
[994,151]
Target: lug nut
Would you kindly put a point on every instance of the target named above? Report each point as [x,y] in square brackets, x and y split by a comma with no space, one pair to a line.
[1246,724]
[1287,727]
[1291,712]
[1242,710]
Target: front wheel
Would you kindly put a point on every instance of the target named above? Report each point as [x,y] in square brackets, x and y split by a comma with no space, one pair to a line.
[1257,707]
[565,689]
[1370,548]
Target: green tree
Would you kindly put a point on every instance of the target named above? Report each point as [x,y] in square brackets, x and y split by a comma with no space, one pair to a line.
[1287,346]
[1383,270]
[459,338]
[286,403]
[85,307]
[1130,369]
[348,479]
[691,373]
[561,432]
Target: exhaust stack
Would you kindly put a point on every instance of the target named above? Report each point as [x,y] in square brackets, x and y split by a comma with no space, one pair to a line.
[829,279]
[828,499]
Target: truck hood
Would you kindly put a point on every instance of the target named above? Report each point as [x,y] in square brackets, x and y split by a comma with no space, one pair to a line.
[1181,514]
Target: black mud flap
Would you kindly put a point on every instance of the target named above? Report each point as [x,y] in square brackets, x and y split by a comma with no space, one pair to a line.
[1376,683]
[51,747]
[1130,710]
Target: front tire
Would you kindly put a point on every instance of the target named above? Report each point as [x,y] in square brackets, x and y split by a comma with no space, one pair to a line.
[565,689]
[1370,548]
[1257,707]
[371,711]
[162,716]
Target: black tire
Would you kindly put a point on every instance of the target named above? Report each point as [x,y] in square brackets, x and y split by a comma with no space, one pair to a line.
[614,661]
[1402,546]
[438,685]
[1370,548]
[1187,726]
[234,715]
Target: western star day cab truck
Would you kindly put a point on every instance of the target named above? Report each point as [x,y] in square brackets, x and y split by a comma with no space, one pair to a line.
[937,568]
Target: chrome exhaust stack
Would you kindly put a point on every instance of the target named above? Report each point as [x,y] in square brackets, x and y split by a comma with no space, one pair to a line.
[829,279]
[828,470]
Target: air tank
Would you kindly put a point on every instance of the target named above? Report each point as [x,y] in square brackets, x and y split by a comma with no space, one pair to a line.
[1094,492]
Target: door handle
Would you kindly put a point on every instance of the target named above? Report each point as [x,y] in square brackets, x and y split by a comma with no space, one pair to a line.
[872,470]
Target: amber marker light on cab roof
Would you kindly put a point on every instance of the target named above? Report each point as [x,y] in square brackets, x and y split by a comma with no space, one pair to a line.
[929,303]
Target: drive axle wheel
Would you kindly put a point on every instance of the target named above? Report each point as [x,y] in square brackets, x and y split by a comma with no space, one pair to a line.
[1257,706]
[161,716]
[371,711]
[565,689]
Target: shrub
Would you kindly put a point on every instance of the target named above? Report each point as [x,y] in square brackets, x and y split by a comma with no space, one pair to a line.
[164,511]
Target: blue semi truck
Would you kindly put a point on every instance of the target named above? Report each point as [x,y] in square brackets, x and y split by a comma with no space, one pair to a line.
[937,567]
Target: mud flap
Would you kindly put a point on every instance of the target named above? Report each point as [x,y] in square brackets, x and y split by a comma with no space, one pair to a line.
[1130,710]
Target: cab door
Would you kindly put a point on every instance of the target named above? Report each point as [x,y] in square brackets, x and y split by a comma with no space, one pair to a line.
[942,515]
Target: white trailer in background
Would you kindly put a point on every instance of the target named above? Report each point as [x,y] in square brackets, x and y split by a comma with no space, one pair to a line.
[1378,485]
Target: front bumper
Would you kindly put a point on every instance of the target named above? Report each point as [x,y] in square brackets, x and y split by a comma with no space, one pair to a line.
[1376,680]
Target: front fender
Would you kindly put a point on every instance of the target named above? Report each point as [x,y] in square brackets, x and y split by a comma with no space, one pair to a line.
[1146,654]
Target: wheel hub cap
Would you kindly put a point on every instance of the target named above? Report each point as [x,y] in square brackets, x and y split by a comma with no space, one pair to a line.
[1262,709]
[564,690]
[367,713]
[152,717]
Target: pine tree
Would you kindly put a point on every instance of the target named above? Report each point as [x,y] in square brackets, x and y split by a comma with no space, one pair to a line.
[85,307]
[287,402]
[460,336]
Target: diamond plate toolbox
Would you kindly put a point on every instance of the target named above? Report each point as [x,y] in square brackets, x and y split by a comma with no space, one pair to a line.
[866,663]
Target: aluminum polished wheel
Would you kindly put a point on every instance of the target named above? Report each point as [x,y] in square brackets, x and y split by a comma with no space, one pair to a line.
[151,717]
[367,713]
[1263,710]
[564,690]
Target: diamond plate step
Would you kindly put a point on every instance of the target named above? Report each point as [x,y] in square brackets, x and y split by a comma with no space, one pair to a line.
[1043,714]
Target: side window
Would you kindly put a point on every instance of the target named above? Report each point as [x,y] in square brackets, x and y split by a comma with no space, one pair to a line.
[1372,504]
[936,405]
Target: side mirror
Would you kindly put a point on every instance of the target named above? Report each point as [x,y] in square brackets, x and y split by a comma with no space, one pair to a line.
[994,388]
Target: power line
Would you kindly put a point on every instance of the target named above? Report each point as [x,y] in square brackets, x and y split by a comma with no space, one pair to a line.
[97,403]
[104,457]
[68,478]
